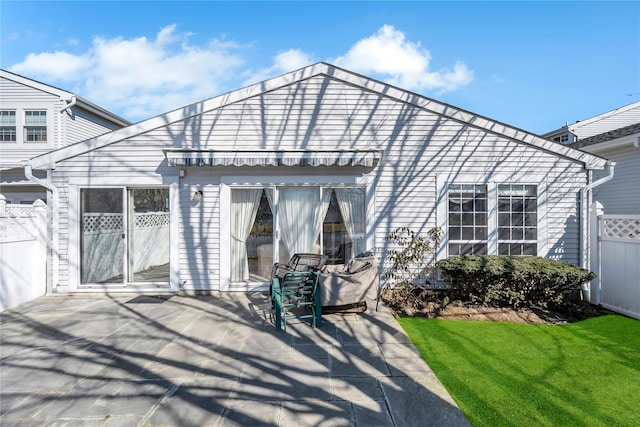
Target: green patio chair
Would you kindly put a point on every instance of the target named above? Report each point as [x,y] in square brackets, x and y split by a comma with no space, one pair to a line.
[298,262]
[296,295]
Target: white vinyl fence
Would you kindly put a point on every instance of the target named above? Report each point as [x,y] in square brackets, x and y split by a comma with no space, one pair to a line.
[23,252]
[616,261]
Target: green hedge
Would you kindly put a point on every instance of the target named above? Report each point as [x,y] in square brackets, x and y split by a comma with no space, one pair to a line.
[506,281]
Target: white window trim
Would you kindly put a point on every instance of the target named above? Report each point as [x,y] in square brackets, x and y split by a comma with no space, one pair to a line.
[492,182]
[15,125]
[47,128]
[74,254]
[21,123]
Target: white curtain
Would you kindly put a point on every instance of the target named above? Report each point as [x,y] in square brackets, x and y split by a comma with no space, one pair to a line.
[244,207]
[300,217]
[352,208]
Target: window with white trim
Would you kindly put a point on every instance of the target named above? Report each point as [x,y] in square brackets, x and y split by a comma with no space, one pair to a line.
[7,126]
[468,224]
[35,126]
[511,230]
[517,219]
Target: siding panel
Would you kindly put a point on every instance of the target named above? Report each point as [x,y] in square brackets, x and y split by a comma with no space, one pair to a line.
[621,195]
[420,148]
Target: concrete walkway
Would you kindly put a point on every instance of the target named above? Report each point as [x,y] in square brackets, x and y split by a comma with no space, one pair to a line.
[215,360]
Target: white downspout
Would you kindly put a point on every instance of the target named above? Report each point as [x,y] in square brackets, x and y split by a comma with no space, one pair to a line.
[72,103]
[584,223]
[53,278]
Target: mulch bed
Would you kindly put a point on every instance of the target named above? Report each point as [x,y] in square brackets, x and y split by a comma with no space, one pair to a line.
[426,303]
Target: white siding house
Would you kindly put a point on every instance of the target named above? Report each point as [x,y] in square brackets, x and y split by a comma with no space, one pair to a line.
[597,125]
[208,196]
[36,118]
[621,194]
[614,135]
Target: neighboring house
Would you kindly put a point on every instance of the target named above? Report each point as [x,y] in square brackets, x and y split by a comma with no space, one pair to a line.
[321,159]
[36,118]
[614,135]
[620,195]
[597,125]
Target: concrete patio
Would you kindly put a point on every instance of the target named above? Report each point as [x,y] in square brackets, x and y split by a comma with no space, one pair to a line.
[214,360]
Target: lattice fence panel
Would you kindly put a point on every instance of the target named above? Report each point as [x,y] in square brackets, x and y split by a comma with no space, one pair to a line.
[102,223]
[622,228]
[152,220]
[19,210]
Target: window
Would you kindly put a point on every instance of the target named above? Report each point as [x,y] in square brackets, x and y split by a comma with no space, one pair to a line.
[35,126]
[563,139]
[468,223]
[517,219]
[512,230]
[7,126]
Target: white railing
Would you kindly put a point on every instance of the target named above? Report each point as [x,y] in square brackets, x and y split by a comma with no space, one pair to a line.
[616,260]
[23,252]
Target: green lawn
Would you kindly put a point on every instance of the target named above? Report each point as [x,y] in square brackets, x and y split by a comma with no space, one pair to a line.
[504,374]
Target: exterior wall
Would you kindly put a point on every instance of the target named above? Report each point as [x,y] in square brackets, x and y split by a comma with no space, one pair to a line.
[80,124]
[621,195]
[20,97]
[199,233]
[422,152]
[63,128]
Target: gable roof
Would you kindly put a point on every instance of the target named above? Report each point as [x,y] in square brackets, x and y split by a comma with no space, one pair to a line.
[608,136]
[333,72]
[66,96]
[605,122]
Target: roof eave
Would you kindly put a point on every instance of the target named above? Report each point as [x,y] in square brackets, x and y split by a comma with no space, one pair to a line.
[101,112]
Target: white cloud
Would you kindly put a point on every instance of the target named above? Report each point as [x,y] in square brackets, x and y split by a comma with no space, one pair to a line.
[53,67]
[140,77]
[283,62]
[398,61]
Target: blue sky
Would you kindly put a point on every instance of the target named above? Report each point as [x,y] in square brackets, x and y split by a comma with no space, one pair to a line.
[533,65]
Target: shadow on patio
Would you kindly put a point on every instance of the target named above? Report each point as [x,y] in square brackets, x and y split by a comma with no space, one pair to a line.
[209,360]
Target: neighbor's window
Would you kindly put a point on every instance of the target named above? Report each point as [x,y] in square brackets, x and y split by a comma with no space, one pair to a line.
[35,126]
[517,219]
[7,126]
[467,219]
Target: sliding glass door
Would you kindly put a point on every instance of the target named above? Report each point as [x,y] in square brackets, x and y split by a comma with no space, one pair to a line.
[102,235]
[271,224]
[252,235]
[124,236]
[148,235]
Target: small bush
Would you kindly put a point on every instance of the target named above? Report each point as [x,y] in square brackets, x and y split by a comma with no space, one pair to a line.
[506,281]
[411,259]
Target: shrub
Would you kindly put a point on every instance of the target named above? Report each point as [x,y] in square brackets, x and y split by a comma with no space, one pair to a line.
[507,281]
[411,259]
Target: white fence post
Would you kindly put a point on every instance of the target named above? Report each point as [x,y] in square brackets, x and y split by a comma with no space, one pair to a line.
[595,261]
[42,244]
